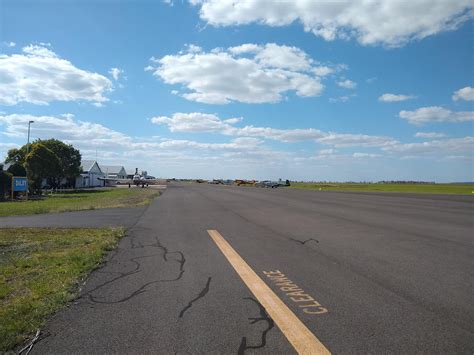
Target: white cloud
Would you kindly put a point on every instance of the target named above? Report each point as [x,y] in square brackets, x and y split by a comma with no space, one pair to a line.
[245,48]
[347,84]
[39,76]
[65,127]
[429,135]
[466,94]
[9,44]
[446,146]
[387,22]
[199,122]
[115,72]
[193,122]
[248,73]
[344,140]
[323,70]
[244,155]
[88,137]
[344,98]
[365,155]
[395,97]
[435,114]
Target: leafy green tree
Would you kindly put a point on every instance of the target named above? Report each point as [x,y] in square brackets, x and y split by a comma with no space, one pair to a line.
[69,161]
[17,169]
[16,155]
[5,183]
[41,163]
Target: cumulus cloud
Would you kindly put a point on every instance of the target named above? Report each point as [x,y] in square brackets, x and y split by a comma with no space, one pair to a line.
[466,94]
[365,155]
[323,70]
[446,146]
[195,122]
[9,44]
[387,22]
[435,114]
[115,72]
[247,73]
[429,135]
[395,97]
[40,76]
[200,122]
[244,154]
[347,84]
[88,135]
[64,127]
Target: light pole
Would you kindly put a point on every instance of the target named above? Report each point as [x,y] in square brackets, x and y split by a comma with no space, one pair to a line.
[27,152]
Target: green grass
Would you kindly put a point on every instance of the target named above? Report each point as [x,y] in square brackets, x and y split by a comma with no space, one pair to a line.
[409,188]
[80,200]
[40,270]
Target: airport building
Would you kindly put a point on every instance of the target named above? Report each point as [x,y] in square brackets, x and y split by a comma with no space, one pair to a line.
[114,171]
[89,177]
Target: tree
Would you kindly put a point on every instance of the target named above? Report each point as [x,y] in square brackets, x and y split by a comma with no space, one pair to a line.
[69,166]
[69,161]
[42,163]
[16,155]
[17,169]
[5,183]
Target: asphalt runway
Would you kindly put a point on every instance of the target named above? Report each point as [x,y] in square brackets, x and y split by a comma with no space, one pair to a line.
[363,273]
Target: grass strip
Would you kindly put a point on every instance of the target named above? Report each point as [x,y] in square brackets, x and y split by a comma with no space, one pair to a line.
[80,200]
[40,270]
[458,189]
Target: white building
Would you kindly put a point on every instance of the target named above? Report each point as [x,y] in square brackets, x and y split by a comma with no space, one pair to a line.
[114,171]
[90,174]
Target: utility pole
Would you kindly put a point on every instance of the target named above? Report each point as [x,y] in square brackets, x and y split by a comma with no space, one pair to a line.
[27,152]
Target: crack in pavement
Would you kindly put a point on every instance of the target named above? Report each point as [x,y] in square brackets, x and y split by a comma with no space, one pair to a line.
[181,260]
[203,292]
[303,242]
[263,317]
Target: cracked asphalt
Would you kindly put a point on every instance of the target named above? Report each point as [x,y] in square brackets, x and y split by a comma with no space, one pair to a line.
[395,273]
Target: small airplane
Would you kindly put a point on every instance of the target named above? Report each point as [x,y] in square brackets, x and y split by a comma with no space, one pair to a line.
[137,180]
[240,182]
[273,184]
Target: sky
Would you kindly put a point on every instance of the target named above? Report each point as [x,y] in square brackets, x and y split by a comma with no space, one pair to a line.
[300,90]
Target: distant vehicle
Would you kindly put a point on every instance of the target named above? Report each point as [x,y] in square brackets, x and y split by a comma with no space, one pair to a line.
[272,184]
[137,180]
[216,182]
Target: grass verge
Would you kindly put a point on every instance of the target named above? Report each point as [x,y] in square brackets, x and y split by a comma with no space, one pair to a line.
[459,189]
[80,200]
[40,270]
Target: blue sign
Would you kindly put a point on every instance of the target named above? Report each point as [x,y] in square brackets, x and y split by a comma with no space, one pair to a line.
[20,183]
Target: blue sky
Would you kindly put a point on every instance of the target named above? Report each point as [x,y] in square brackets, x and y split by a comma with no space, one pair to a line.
[298,90]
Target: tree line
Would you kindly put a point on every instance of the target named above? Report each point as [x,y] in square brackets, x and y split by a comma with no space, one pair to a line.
[52,160]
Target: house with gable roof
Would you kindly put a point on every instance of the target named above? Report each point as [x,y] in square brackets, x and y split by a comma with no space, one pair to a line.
[90,174]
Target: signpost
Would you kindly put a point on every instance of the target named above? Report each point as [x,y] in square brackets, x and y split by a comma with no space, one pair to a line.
[19,183]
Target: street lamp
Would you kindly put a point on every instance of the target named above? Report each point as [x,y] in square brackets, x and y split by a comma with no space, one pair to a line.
[27,152]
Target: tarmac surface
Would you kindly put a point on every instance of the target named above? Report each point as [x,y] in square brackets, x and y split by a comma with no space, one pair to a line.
[391,273]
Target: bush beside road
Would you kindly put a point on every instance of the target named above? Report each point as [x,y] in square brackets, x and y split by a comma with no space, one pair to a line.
[40,270]
[80,200]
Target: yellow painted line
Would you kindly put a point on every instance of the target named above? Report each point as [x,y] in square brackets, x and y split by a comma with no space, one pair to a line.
[295,331]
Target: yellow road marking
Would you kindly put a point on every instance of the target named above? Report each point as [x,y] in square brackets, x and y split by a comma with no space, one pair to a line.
[295,331]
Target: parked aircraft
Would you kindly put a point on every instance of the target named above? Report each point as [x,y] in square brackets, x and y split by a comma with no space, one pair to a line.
[137,180]
[240,182]
[273,184]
